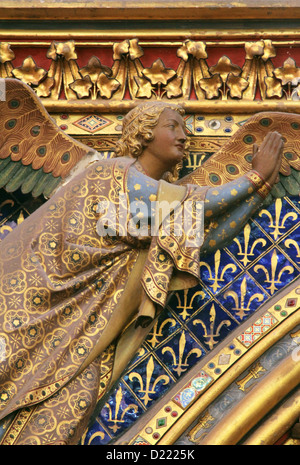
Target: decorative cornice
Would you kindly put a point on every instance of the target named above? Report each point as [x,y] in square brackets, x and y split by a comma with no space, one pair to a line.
[140,10]
[193,82]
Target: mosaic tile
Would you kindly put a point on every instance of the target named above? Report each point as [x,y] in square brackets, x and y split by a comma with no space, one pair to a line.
[249,244]
[140,441]
[96,435]
[224,359]
[211,325]
[189,393]
[120,411]
[294,201]
[255,331]
[148,380]
[189,123]
[217,270]
[165,326]
[185,303]
[273,271]
[243,297]
[92,123]
[291,245]
[180,353]
[278,219]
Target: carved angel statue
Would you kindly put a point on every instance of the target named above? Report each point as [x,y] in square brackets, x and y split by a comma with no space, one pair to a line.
[84,277]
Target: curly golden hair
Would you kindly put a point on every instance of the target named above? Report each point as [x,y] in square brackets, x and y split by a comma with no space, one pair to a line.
[137,131]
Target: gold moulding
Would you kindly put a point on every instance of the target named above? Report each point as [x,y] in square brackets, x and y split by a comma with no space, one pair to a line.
[263,397]
[278,423]
[227,378]
[144,10]
[190,106]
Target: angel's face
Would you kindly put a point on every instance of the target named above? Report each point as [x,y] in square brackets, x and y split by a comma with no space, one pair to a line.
[169,139]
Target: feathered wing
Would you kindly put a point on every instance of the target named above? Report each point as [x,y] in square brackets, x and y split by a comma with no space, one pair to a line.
[35,154]
[234,157]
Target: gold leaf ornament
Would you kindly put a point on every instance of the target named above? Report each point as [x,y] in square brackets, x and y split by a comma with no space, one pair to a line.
[106,85]
[289,73]
[94,68]
[262,49]
[254,49]
[45,87]
[145,88]
[192,48]
[29,72]
[236,85]
[158,73]
[211,86]
[95,78]
[269,50]
[273,87]
[135,51]
[62,50]
[174,88]
[224,75]
[130,47]
[224,67]
[100,75]
[6,54]
[120,49]
[82,87]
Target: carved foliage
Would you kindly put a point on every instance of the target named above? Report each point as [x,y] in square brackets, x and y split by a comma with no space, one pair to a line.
[257,78]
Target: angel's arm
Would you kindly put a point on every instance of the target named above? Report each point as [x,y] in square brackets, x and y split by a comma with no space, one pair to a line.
[219,200]
[265,163]
[224,228]
[240,199]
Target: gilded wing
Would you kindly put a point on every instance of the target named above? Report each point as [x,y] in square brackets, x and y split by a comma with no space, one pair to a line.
[234,157]
[35,155]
